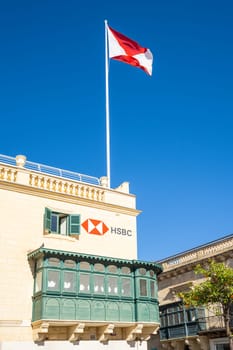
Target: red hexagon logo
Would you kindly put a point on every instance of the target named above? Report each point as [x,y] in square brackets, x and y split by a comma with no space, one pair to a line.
[95,227]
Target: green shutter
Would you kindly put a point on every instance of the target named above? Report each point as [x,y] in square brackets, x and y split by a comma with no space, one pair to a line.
[47,220]
[74,224]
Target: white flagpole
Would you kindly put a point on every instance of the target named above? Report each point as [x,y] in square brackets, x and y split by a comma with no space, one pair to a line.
[107,105]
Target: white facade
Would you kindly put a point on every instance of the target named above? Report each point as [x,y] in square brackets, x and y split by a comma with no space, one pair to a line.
[107,232]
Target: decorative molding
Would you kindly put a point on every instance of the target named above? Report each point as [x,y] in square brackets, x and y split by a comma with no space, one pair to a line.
[185,261]
[97,258]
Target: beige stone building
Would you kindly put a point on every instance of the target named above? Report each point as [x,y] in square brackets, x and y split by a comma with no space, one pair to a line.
[196,328]
[70,277]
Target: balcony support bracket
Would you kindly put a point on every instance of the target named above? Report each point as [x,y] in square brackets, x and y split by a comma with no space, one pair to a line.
[76,332]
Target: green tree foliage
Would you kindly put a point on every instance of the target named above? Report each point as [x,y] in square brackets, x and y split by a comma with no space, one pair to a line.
[216,290]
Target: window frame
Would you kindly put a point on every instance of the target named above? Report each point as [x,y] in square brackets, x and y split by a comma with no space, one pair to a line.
[73,223]
[58,281]
[140,286]
[122,278]
[74,282]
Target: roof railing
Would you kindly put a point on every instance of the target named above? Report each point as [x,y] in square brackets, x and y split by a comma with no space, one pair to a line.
[41,168]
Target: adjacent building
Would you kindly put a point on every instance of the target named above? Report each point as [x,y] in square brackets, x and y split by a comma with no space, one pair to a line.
[193,328]
[70,277]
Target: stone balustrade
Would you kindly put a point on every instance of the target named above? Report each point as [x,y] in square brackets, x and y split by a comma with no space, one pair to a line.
[29,174]
[49,183]
[8,174]
[66,187]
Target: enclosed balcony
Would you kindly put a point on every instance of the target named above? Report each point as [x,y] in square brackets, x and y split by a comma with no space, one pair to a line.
[93,297]
[179,322]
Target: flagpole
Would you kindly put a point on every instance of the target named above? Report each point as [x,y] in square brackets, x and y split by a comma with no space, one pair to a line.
[107,106]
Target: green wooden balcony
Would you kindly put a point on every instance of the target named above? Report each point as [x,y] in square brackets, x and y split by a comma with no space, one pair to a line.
[78,288]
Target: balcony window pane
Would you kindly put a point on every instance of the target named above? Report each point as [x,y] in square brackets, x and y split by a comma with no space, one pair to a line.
[39,263]
[176,318]
[126,287]
[53,280]
[171,309]
[190,315]
[222,346]
[170,320]
[142,271]
[152,289]
[38,285]
[84,265]
[152,273]
[163,321]
[84,283]
[112,268]
[181,314]
[125,270]
[112,285]
[69,264]
[99,267]
[98,284]
[54,262]
[69,281]
[143,288]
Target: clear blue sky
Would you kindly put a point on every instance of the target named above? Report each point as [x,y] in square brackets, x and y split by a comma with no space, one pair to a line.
[171,134]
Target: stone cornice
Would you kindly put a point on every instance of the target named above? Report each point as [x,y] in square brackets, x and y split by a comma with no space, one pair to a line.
[189,266]
[213,249]
[68,189]
[68,198]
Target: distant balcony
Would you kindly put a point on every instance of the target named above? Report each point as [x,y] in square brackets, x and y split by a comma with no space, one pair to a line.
[182,330]
[178,322]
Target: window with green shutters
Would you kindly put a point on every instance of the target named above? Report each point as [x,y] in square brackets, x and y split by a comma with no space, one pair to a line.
[61,223]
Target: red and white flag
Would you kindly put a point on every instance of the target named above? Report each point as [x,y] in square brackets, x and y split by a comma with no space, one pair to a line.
[123,49]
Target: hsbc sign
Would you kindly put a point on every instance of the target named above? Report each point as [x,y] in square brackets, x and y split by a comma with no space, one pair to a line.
[95,227]
[98,227]
[121,231]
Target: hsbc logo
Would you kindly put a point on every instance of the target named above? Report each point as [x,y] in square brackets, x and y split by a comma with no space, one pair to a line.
[95,227]
[98,227]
